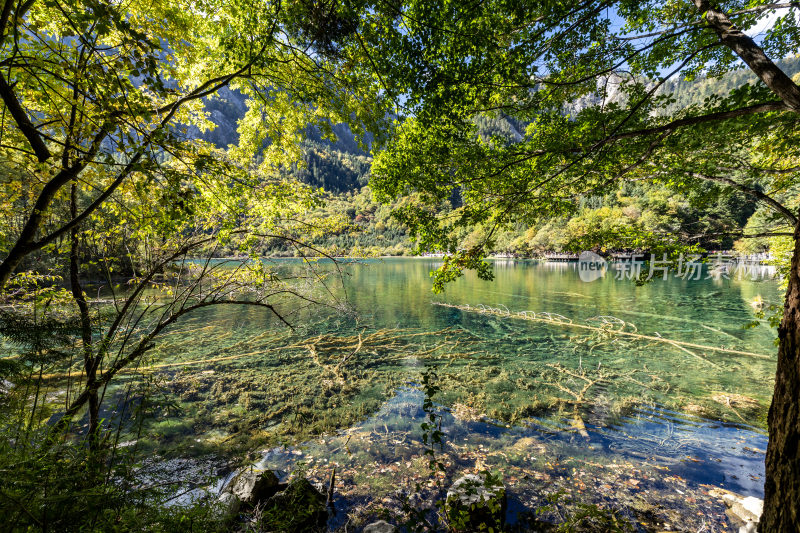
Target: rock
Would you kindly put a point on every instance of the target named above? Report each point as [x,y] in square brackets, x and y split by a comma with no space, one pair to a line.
[529,445]
[252,485]
[750,527]
[230,503]
[740,509]
[300,507]
[751,508]
[381,526]
[476,503]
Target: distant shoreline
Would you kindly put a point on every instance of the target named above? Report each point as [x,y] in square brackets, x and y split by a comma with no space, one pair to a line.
[355,258]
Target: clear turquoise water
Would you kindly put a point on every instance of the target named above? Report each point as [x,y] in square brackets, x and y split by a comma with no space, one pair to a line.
[703,413]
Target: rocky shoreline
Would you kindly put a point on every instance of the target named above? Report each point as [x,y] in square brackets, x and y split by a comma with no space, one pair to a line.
[321,494]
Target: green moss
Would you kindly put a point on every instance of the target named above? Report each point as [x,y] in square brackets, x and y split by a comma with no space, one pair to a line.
[282,388]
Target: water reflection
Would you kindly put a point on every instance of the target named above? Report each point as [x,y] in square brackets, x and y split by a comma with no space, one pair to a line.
[516,377]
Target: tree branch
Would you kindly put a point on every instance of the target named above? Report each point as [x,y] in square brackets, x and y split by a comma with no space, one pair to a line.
[755,193]
[765,107]
[23,122]
[25,243]
[143,346]
[752,54]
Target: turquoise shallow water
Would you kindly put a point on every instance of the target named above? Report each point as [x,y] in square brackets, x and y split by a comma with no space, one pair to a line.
[583,394]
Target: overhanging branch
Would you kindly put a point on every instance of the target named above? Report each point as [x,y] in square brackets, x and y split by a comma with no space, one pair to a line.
[755,193]
[752,54]
[23,122]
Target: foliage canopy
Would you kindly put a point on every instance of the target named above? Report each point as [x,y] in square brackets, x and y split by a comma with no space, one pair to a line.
[586,81]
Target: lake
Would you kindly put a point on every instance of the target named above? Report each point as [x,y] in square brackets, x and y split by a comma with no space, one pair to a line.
[633,397]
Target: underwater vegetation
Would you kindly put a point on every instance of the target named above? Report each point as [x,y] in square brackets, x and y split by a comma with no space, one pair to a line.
[551,348]
[241,392]
[618,403]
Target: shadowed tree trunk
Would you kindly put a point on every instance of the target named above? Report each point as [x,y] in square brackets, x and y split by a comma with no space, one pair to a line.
[782,486]
[89,360]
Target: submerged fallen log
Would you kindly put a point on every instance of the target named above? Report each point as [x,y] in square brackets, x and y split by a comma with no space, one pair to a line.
[562,321]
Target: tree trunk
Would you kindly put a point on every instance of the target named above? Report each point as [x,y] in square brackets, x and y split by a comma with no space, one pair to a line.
[94,419]
[782,485]
[752,54]
[26,241]
[89,359]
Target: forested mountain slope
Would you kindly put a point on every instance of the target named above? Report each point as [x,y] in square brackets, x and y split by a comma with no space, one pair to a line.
[342,168]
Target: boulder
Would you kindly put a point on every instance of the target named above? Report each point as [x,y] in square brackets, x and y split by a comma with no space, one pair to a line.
[230,503]
[381,526]
[743,511]
[252,485]
[750,527]
[300,507]
[748,509]
[476,502]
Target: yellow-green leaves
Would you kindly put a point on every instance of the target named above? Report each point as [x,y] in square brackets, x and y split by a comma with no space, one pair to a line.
[583,94]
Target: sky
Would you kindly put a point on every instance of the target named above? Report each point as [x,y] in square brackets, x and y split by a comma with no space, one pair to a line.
[766,22]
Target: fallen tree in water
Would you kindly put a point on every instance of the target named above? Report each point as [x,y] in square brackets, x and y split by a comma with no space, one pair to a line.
[608,327]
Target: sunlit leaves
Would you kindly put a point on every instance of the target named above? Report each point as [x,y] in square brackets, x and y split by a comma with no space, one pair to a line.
[117,91]
[585,81]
